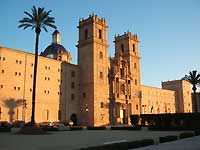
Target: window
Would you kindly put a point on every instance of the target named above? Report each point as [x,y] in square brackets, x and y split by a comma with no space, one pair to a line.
[122,48]
[1,86]
[49,68]
[48,92]
[100,34]
[4,58]
[31,75]
[129,82]
[48,78]
[101,75]
[19,73]
[31,64]
[122,72]
[16,61]
[47,113]
[20,62]
[15,73]
[86,34]
[45,78]
[73,74]
[58,70]
[84,95]
[15,88]
[72,85]
[17,114]
[2,71]
[60,58]
[30,90]
[45,91]
[135,65]
[45,67]
[72,96]
[135,82]
[101,55]
[18,88]
[133,47]
[102,106]
[136,107]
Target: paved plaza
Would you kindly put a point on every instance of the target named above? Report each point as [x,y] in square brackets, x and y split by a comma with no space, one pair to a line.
[67,140]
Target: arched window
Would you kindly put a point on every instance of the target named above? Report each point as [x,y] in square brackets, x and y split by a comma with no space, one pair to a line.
[122,48]
[133,47]
[86,34]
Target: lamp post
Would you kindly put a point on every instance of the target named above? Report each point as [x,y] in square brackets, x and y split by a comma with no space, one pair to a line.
[86,109]
[24,110]
[0,113]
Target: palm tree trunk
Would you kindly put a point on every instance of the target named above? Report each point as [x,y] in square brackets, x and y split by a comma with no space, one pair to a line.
[34,79]
[194,99]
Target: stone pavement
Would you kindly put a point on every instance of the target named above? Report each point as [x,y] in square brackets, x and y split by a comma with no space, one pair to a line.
[192,143]
[68,140]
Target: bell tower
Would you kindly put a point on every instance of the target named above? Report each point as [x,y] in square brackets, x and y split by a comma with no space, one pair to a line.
[93,64]
[125,82]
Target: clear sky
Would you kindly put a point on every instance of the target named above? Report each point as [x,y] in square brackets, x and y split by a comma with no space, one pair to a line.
[168,30]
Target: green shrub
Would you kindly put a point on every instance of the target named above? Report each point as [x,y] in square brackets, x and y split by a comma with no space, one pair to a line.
[114,146]
[140,143]
[135,119]
[197,132]
[76,128]
[168,138]
[126,128]
[96,128]
[186,135]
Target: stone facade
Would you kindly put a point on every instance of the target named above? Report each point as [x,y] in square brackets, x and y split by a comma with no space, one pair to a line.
[183,96]
[156,100]
[99,90]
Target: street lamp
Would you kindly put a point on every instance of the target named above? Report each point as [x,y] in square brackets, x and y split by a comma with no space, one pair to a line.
[86,109]
[24,110]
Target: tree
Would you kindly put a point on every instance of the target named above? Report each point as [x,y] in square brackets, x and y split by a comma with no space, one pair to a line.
[37,19]
[194,79]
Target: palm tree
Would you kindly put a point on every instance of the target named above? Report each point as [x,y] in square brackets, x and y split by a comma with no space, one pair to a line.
[37,19]
[194,79]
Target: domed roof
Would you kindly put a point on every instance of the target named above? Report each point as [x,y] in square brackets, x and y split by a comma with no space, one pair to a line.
[55,48]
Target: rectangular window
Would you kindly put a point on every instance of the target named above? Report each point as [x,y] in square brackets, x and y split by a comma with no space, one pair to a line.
[135,65]
[16,61]
[101,75]
[73,74]
[18,88]
[133,47]
[135,82]
[102,106]
[136,107]
[101,55]
[2,71]
[72,96]
[1,86]
[100,34]
[72,85]
[84,95]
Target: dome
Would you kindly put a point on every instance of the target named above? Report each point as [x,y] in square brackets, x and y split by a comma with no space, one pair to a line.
[55,48]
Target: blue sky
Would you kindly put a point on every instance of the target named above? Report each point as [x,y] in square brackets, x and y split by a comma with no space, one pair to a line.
[168,30]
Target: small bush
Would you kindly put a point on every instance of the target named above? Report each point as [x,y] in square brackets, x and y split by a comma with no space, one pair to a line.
[126,128]
[96,128]
[114,146]
[197,132]
[168,138]
[186,135]
[140,143]
[76,128]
